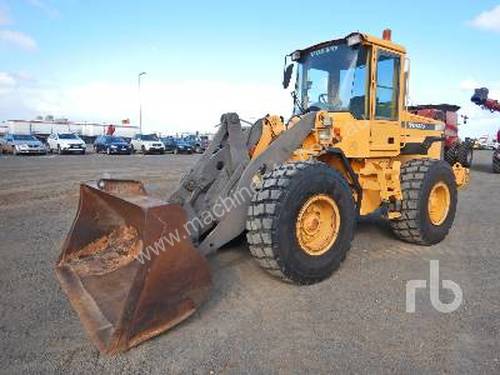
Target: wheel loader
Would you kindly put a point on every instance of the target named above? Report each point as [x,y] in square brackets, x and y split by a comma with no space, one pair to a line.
[134,266]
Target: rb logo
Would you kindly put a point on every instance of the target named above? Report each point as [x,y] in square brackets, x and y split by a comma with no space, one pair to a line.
[413,285]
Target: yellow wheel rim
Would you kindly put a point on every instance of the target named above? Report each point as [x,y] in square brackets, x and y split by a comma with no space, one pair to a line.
[317,225]
[439,203]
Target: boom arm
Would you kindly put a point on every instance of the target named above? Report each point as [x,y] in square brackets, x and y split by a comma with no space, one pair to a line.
[480,98]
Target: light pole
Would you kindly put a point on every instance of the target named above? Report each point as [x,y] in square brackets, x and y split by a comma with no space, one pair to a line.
[140,99]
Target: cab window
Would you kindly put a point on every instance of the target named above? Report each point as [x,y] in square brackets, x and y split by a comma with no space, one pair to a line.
[387,92]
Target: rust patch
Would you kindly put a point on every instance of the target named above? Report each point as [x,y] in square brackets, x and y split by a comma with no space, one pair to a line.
[108,253]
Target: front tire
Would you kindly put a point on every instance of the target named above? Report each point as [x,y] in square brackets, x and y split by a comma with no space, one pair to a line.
[429,202]
[301,223]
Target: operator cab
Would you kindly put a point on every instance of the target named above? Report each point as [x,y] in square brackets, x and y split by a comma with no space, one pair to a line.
[335,76]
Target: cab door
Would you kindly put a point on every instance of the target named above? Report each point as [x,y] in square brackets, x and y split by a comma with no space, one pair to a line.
[386,101]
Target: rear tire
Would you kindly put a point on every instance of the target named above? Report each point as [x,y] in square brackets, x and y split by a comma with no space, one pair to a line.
[273,222]
[450,154]
[496,162]
[465,155]
[418,179]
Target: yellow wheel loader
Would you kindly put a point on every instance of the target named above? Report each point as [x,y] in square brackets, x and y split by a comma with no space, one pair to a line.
[133,266]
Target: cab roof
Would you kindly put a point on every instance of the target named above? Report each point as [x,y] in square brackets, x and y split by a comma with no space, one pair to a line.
[365,39]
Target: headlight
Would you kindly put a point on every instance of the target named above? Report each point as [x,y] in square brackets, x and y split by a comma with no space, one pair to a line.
[22,147]
[113,146]
[354,39]
[296,56]
[324,135]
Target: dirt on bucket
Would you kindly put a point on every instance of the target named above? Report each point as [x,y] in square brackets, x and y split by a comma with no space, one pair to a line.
[107,253]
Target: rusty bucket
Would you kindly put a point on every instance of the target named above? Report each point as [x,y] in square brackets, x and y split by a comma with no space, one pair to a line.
[128,266]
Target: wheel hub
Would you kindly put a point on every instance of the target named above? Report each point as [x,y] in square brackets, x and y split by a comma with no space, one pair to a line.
[439,203]
[318,224]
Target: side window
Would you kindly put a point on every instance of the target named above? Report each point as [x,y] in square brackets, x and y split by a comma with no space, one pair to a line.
[388,66]
[355,94]
[317,80]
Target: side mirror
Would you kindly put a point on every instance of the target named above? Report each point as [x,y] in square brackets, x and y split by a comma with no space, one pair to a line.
[287,75]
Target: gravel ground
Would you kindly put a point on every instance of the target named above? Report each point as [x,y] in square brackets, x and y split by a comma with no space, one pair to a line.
[353,322]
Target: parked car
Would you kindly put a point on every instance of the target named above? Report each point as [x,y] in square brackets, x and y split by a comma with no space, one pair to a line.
[66,143]
[197,143]
[182,146]
[169,144]
[111,145]
[22,144]
[147,143]
[204,141]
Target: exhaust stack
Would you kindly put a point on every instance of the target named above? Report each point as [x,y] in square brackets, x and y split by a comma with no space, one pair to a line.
[387,34]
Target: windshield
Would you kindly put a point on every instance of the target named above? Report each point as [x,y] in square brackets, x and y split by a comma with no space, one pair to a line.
[111,139]
[167,140]
[333,78]
[67,136]
[18,137]
[149,137]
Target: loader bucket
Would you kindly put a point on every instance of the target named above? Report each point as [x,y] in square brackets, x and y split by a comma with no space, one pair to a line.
[128,266]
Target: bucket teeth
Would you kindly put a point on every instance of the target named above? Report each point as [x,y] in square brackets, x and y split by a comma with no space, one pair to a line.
[128,266]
